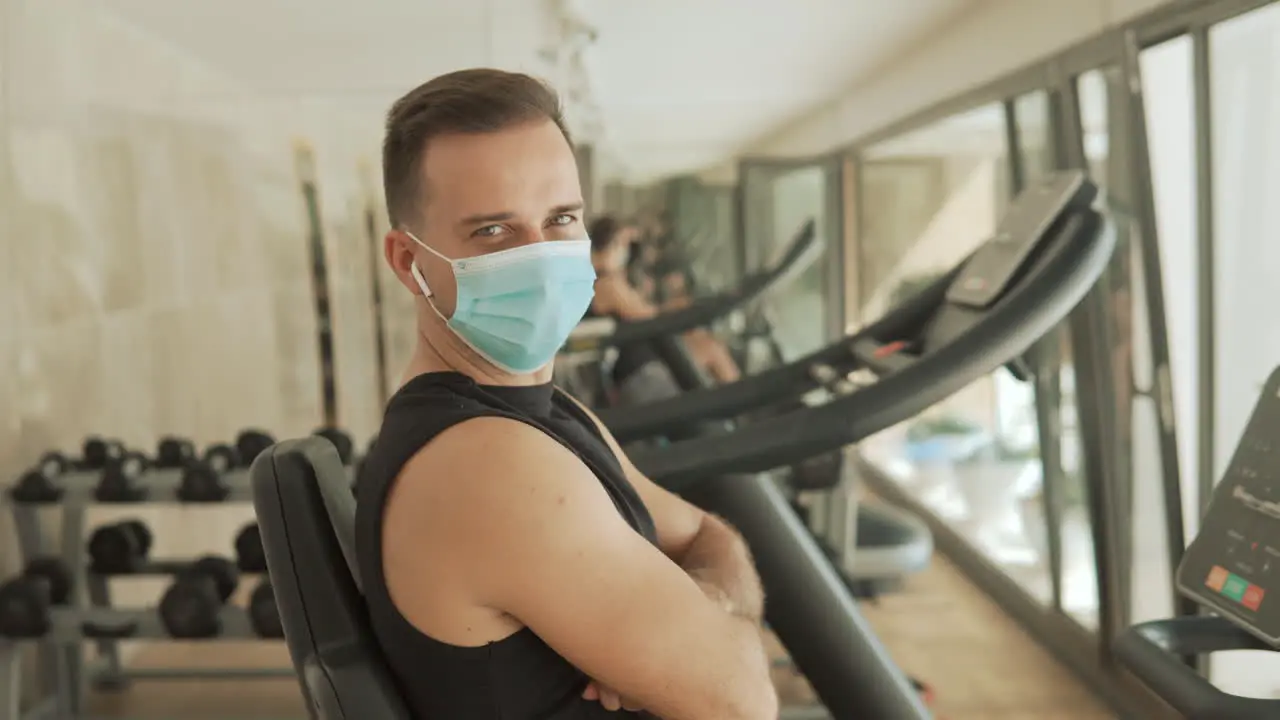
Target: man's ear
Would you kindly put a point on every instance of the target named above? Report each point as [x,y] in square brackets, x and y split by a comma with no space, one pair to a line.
[397,248]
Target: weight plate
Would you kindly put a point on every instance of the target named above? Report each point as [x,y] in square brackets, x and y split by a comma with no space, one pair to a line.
[263,613]
[190,608]
[56,574]
[223,572]
[249,552]
[24,609]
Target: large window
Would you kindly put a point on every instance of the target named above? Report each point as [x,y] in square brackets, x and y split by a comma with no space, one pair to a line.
[779,198]
[1031,113]
[1245,106]
[929,198]
[1168,91]
[1079,579]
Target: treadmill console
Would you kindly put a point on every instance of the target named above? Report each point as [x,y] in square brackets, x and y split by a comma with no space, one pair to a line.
[1233,565]
[989,272]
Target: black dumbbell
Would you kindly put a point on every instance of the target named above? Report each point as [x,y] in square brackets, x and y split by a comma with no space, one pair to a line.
[174,452]
[97,452]
[52,464]
[37,484]
[222,458]
[264,616]
[201,483]
[25,601]
[250,556]
[341,441]
[252,443]
[204,481]
[122,479]
[191,607]
[119,548]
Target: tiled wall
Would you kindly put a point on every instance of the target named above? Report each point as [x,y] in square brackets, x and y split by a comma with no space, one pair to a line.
[154,275]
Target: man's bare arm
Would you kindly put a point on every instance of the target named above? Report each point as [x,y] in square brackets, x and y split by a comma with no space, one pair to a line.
[545,545]
[706,547]
[630,304]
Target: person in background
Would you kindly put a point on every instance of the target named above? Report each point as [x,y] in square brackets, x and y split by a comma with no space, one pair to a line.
[615,297]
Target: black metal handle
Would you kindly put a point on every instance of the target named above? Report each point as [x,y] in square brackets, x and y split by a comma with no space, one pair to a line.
[1154,652]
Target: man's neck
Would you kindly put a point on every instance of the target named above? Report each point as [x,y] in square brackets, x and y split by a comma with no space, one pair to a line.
[439,350]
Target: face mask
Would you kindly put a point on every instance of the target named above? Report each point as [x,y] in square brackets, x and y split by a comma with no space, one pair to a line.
[517,307]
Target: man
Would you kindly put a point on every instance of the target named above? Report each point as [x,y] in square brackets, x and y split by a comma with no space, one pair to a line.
[516,564]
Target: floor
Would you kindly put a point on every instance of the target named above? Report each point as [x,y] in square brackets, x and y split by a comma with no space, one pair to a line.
[940,628]
[979,662]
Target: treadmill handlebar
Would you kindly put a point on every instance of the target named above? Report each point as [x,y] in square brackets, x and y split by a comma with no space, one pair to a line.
[1155,653]
[1051,289]
[803,251]
[882,358]
[786,382]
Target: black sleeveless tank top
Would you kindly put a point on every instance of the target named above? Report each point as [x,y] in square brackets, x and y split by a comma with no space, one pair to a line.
[519,677]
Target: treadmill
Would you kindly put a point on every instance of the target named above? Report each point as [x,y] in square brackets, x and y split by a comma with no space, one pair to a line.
[1230,569]
[1047,253]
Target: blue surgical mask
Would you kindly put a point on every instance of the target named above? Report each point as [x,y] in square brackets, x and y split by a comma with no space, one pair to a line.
[517,307]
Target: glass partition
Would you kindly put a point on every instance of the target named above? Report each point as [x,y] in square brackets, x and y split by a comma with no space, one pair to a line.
[928,198]
[1168,94]
[778,198]
[705,233]
[1034,131]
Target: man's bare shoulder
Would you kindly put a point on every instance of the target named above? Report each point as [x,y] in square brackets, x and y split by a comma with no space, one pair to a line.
[486,471]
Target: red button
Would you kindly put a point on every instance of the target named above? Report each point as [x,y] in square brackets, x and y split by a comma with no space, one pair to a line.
[1217,578]
[1253,597]
[885,351]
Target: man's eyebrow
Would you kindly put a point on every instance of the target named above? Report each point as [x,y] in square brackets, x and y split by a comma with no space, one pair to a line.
[575,206]
[568,208]
[487,218]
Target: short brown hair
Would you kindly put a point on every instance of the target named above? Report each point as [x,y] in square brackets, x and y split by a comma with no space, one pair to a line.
[480,100]
[602,232]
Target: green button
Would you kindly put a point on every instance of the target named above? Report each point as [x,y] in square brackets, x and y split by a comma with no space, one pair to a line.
[1235,587]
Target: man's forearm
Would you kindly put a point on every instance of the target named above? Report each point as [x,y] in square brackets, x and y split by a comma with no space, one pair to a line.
[719,557]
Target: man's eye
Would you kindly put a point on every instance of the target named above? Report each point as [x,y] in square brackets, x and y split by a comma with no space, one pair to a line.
[563,220]
[488,231]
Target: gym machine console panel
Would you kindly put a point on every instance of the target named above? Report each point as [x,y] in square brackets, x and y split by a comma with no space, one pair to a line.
[994,266]
[1232,568]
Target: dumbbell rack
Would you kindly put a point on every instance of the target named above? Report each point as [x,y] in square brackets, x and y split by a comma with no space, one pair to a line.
[61,655]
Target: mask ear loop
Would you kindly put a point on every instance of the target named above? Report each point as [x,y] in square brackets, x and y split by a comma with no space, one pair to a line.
[418,277]
[422,281]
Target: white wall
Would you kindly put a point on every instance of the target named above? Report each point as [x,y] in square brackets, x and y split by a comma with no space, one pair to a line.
[154,271]
[996,38]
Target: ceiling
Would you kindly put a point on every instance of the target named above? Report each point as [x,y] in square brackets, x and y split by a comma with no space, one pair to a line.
[676,85]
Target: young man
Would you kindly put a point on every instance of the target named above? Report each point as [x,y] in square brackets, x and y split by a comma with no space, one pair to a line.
[516,564]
